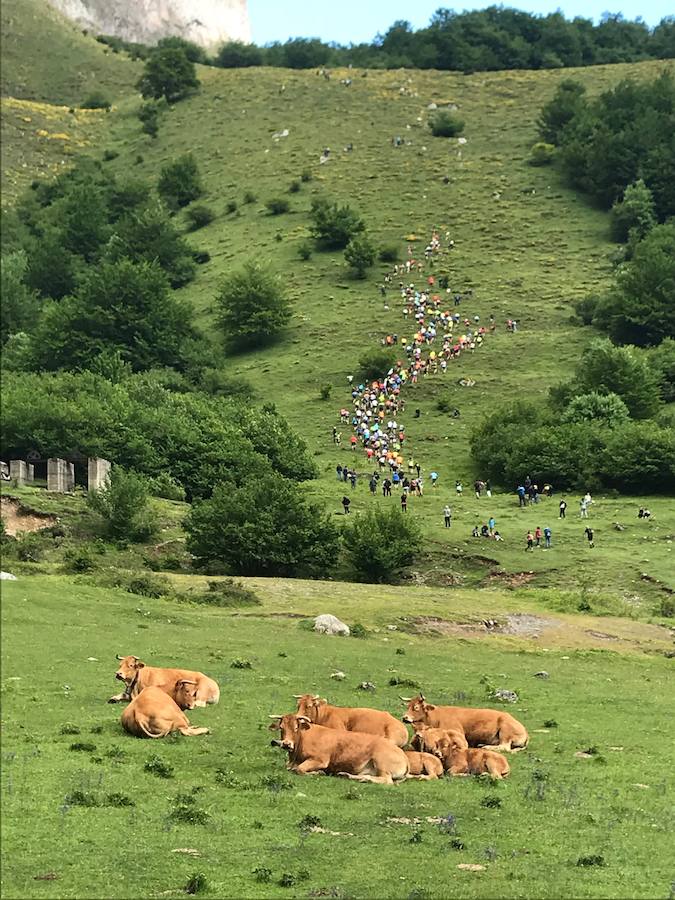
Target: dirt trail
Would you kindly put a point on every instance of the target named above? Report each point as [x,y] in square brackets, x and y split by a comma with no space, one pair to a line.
[18,518]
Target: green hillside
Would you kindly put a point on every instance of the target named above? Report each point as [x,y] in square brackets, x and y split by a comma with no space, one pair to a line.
[582,634]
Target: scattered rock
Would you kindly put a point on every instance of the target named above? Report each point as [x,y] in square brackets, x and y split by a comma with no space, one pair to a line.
[644,787]
[328,624]
[366,686]
[581,754]
[48,876]
[618,527]
[338,676]
[189,850]
[541,674]
[7,576]
[506,696]
[471,867]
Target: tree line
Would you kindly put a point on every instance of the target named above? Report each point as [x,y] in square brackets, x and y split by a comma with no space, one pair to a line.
[490,39]
[610,425]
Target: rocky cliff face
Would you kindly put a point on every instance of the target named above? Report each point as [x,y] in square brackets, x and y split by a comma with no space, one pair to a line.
[207,23]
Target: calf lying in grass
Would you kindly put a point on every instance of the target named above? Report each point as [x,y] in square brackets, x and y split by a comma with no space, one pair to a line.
[423,766]
[458,758]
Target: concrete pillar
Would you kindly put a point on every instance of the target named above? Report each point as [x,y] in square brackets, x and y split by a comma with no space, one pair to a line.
[70,477]
[57,475]
[98,472]
[30,473]
[18,471]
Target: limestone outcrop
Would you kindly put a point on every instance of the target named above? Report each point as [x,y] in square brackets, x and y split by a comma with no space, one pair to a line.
[208,23]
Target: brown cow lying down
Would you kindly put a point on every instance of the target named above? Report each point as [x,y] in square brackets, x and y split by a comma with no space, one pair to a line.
[352,718]
[313,749]
[423,766]
[481,727]
[458,759]
[157,712]
[137,676]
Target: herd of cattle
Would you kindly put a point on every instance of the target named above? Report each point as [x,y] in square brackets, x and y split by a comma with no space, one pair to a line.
[358,743]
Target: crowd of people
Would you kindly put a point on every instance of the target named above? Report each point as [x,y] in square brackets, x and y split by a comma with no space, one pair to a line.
[433,336]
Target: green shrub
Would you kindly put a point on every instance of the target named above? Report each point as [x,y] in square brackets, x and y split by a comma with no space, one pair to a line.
[249,197]
[294,187]
[360,255]
[559,112]
[541,154]
[586,308]
[264,527]
[305,176]
[375,364]
[77,560]
[358,630]
[380,542]
[227,593]
[305,250]
[277,206]
[445,124]
[96,100]
[389,253]
[325,391]
[159,767]
[253,308]
[124,506]
[634,215]
[334,226]
[109,155]
[232,206]
[179,182]
[166,487]
[199,216]
[667,607]
[168,73]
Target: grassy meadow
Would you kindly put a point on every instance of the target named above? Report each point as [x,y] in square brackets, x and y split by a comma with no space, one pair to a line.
[232,812]
[85,811]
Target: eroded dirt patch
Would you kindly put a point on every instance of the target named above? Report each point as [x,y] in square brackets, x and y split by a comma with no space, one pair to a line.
[518,624]
[510,579]
[19,518]
[527,625]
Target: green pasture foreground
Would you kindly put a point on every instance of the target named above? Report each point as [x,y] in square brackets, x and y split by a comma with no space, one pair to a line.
[528,833]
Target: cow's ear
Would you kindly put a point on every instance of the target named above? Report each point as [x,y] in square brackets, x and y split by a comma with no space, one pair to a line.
[303,722]
[274,726]
[139,663]
[429,706]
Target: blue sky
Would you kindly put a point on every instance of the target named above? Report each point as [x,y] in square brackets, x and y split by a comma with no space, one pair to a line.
[360,20]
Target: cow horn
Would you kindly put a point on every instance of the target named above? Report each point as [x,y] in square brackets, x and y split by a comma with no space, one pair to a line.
[275,717]
[405,699]
[117,656]
[422,697]
[298,696]
[304,719]
[316,697]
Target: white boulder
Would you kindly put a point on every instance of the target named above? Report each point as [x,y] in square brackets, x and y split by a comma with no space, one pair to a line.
[327,624]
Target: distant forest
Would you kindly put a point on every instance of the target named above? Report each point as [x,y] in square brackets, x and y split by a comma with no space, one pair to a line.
[494,38]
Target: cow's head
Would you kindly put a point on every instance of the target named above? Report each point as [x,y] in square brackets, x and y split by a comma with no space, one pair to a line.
[418,709]
[185,694]
[309,705]
[289,727]
[128,667]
